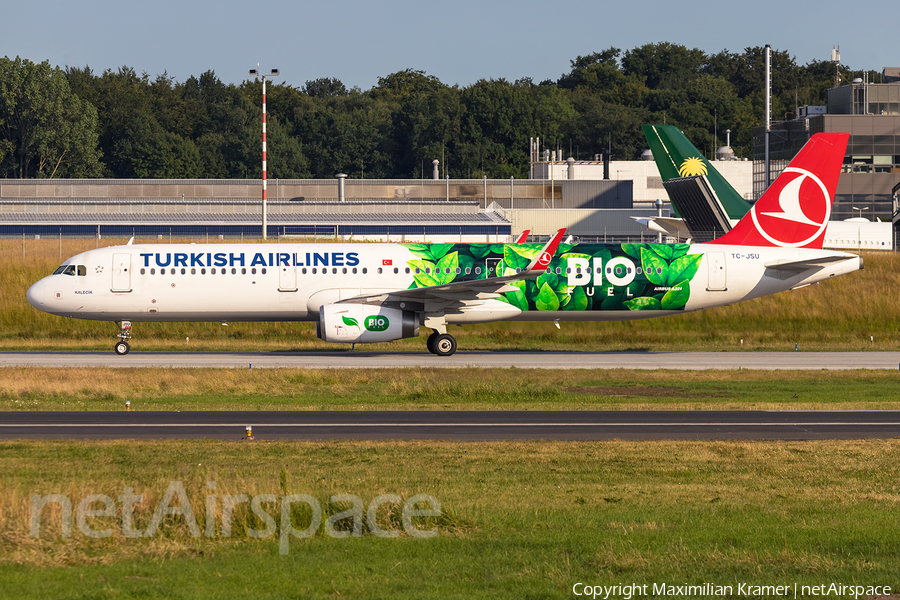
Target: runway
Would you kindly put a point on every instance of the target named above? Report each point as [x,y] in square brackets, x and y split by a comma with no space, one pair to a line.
[343,359]
[454,425]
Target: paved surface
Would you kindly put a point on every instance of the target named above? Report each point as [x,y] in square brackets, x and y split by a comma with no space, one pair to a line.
[455,425]
[543,360]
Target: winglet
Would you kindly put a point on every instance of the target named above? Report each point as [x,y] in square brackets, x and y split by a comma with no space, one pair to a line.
[546,255]
[523,237]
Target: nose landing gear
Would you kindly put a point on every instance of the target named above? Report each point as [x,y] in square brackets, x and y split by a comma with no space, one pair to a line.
[122,346]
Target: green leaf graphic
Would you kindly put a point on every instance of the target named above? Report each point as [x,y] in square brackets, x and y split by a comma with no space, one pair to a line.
[663,251]
[547,299]
[518,298]
[679,250]
[451,262]
[677,297]
[683,268]
[422,278]
[614,302]
[578,299]
[527,251]
[480,250]
[513,259]
[465,262]
[654,267]
[549,278]
[439,250]
[349,321]
[633,250]
[642,303]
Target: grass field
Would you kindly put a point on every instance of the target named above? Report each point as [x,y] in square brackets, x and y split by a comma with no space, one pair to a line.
[857,311]
[443,389]
[519,520]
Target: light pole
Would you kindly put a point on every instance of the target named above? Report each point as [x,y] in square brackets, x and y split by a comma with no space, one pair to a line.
[860,209]
[255,73]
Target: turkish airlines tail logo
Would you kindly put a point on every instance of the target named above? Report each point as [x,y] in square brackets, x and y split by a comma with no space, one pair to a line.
[794,211]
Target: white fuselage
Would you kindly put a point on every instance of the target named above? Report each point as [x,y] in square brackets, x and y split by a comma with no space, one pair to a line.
[290,282]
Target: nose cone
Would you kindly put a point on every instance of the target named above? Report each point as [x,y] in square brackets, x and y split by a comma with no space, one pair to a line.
[37,295]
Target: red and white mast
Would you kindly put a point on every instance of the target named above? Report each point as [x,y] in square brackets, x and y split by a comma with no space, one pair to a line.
[274,73]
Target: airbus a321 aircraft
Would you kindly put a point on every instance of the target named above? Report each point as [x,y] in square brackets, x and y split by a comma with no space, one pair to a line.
[361,293]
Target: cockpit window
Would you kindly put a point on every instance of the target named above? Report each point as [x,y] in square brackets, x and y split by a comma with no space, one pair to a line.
[71,270]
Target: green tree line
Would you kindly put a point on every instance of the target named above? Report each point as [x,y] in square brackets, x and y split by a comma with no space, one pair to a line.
[75,123]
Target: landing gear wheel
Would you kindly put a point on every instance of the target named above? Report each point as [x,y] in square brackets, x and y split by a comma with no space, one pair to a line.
[122,347]
[444,344]
[429,343]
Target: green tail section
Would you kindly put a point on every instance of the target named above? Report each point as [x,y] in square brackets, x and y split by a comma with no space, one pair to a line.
[675,157]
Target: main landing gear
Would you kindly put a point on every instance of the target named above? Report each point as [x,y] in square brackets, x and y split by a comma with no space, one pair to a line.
[441,344]
[122,346]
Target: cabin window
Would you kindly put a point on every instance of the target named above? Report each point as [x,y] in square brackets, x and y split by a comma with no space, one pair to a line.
[233,271]
[162,271]
[263,271]
[568,270]
[334,270]
[558,270]
[458,270]
[344,270]
[82,270]
[407,270]
[379,270]
[203,271]
[417,270]
[396,270]
[518,270]
[478,270]
[659,270]
[143,270]
[468,270]
[303,270]
[365,270]
[314,271]
[354,270]
[69,270]
[59,270]
[183,270]
[153,271]
[243,271]
[193,271]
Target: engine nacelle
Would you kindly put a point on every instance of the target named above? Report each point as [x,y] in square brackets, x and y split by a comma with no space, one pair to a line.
[365,323]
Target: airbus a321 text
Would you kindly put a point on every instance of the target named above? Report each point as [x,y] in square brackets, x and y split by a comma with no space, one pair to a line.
[362,293]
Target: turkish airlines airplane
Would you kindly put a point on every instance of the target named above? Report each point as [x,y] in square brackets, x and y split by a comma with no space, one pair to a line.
[363,293]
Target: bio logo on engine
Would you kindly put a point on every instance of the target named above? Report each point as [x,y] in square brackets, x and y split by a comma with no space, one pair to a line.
[378,323]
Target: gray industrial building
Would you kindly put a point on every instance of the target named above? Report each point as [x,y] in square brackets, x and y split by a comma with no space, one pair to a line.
[870,113]
[435,210]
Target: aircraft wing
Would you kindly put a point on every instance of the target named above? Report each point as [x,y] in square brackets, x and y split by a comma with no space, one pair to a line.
[462,291]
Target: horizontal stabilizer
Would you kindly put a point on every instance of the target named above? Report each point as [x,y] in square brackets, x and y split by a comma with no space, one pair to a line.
[796,266]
